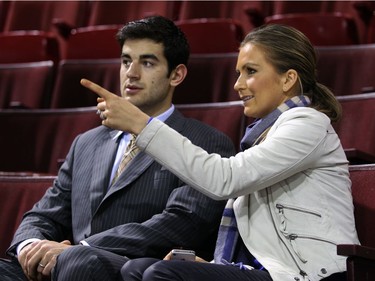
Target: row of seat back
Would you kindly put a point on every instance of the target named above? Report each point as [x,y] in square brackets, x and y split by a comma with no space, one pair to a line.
[36,140]
[346,70]
[18,193]
[47,15]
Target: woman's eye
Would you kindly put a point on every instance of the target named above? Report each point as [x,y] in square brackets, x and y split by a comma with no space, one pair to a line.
[250,70]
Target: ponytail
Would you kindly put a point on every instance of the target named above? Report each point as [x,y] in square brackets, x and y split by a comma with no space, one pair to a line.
[323,100]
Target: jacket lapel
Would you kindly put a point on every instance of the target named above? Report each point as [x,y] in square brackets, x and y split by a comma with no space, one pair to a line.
[105,154]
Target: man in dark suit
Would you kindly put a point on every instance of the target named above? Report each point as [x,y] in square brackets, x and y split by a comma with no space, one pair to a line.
[90,222]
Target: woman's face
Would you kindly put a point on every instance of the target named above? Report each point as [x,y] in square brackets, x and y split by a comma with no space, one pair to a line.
[258,85]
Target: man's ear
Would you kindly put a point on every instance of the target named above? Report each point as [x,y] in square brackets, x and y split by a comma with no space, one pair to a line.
[178,75]
[291,79]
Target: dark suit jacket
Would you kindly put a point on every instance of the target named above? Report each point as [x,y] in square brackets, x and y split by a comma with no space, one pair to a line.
[147,212]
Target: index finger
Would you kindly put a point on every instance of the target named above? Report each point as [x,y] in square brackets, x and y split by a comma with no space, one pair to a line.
[100,91]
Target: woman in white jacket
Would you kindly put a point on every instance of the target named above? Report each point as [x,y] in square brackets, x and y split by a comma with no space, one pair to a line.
[291,184]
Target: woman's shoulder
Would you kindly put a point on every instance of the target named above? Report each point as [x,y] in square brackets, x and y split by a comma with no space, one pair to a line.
[307,113]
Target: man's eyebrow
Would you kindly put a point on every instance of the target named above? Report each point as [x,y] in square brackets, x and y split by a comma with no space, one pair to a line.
[142,57]
[149,56]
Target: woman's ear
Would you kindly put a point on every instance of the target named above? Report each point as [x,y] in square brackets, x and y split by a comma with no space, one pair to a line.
[291,79]
[178,75]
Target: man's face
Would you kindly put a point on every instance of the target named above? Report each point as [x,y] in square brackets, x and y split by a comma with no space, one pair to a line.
[143,76]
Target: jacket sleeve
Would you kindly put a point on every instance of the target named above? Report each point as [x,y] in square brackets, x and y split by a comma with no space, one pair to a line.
[294,143]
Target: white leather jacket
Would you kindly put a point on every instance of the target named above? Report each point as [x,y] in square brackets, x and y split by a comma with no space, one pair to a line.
[293,191]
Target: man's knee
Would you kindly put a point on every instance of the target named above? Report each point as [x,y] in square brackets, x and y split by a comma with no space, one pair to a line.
[162,270]
[71,261]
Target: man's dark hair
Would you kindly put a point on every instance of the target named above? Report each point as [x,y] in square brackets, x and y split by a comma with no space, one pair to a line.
[160,30]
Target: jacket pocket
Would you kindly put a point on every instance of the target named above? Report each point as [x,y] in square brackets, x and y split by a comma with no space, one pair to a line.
[298,223]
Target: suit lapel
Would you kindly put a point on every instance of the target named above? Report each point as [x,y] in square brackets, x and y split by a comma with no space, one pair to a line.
[105,154]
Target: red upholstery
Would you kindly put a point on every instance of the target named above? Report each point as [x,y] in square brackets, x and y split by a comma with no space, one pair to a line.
[22,46]
[212,35]
[356,129]
[239,10]
[68,91]
[80,43]
[40,15]
[17,195]
[371,30]
[323,29]
[227,117]
[120,12]
[361,259]
[3,13]
[347,70]
[210,78]
[26,85]
[289,7]
[34,140]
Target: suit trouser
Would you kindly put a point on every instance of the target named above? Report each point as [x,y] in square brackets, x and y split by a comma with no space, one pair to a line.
[84,263]
[148,269]
[78,263]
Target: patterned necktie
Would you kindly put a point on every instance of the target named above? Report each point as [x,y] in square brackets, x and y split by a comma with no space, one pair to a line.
[130,152]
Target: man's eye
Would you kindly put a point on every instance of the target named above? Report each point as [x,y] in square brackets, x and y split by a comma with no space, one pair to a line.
[148,63]
[126,62]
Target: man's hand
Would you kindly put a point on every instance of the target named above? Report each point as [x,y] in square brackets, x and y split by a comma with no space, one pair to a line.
[117,112]
[37,259]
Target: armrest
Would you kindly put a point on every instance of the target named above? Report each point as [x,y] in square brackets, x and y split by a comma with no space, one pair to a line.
[356,156]
[356,250]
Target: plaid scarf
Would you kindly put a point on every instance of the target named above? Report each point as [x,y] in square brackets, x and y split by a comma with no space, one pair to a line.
[228,232]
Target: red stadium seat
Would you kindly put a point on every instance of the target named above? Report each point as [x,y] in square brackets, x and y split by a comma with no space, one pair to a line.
[68,91]
[347,70]
[42,15]
[356,128]
[210,78]
[121,12]
[18,193]
[361,258]
[323,29]
[26,85]
[35,140]
[207,35]
[22,46]
[79,44]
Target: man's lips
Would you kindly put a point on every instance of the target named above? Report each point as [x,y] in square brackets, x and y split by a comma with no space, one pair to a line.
[132,89]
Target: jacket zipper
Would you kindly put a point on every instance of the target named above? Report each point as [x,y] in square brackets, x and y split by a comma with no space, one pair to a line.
[281,207]
[301,271]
